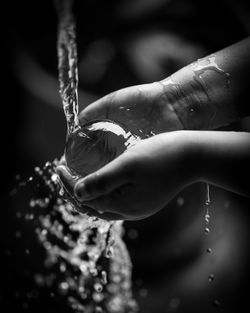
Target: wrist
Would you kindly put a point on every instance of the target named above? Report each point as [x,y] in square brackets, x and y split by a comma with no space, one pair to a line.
[199,93]
[190,99]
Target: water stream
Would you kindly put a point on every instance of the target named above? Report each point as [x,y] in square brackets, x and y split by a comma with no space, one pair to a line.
[86,261]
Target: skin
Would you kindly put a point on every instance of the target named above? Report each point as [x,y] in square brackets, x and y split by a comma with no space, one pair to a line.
[208,93]
[146,177]
[180,101]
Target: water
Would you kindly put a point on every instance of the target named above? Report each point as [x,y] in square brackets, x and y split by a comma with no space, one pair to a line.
[67,63]
[95,144]
[207,203]
[99,252]
[199,68]
[86,261]
[89,253]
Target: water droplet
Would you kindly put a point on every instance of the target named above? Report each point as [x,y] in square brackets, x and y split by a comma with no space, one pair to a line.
[216,303]
[211,277]
[65,239]
[180,201]
[62,267]
[93,272]
[109,252]
[18,234]
[98,287]
[18,214]
[174,304]
[207,230]
[207,218]
[39,279]
[52,295]
[98,309]
[132,233]
[55,178]
[63,287]
[44,232]
[61,192]
[143,292]
[32,203]
[104,279]
[191,111]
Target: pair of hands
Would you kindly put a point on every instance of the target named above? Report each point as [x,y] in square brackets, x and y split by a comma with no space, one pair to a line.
[148,175]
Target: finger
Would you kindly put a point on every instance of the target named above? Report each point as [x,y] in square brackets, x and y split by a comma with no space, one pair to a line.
[105,180]
[66,178]
[97,109]
[90,211]
[62,160]
[106,206]
[104,215]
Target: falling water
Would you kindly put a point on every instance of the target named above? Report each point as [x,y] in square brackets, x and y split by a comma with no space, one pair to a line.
[87,261]
[207,203]
[99,253]
[67,63]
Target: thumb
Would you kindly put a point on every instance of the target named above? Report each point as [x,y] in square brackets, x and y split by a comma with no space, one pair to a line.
[67,179]
[108,178]
[95,110]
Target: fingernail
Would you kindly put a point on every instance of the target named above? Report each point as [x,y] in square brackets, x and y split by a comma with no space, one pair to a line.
[80,191]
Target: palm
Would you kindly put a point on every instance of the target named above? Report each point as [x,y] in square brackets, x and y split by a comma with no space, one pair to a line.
[141,108]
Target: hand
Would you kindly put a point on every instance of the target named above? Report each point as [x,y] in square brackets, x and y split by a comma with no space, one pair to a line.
[141,108]
[139,182]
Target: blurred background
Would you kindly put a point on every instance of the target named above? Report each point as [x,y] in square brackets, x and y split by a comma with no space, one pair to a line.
[120,43]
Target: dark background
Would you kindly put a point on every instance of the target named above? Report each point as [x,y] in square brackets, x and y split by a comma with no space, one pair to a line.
[120,43]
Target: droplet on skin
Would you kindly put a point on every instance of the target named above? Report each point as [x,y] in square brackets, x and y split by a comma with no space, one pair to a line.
[200,69]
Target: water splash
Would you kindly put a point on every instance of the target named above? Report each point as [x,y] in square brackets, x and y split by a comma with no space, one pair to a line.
[99,254]
[96,144]
[86,261]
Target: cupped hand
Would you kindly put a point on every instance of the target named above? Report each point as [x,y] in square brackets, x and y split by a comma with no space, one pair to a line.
[144,109]
[139,182]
